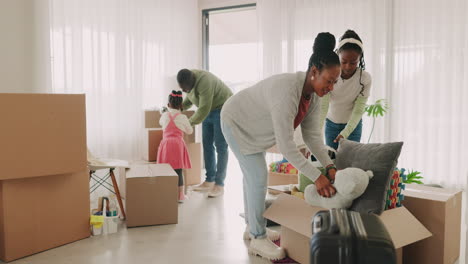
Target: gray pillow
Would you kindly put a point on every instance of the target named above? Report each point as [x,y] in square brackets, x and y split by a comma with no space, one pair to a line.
[379,158]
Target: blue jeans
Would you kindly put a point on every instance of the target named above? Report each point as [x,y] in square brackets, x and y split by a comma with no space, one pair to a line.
[254,169]
[332,130]
[213,137]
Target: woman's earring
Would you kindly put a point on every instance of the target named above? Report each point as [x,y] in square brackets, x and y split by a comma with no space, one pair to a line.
[312,78]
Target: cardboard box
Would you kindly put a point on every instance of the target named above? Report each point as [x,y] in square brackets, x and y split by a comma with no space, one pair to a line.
[276,178]
[42,134]
[279,189]
[190,138]
[193,176]
[154,139]
[439,210]
[295,216]
[152,118]
[151,195]
[41,213]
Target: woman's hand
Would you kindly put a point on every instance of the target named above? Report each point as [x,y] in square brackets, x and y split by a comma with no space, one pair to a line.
[324,187]
[338,138]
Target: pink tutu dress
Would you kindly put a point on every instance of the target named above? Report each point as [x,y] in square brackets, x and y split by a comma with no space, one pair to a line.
[172,149]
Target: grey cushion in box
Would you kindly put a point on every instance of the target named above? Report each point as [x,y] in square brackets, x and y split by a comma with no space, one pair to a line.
[379,158]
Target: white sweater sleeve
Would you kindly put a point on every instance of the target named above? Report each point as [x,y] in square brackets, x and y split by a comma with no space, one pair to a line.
[164,120]
[312,134]
[283,120]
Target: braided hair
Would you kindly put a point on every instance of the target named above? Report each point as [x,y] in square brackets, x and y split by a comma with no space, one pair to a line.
[323,55]
[175,99]
[351,46]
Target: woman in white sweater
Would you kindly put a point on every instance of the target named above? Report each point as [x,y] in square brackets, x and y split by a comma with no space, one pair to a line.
[266,114]
[344,106]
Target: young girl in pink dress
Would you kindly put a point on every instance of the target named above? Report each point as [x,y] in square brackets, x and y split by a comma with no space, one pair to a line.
[172,149]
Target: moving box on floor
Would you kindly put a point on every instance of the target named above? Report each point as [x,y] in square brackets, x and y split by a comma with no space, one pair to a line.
[44,181]
[439,210]
[151,194]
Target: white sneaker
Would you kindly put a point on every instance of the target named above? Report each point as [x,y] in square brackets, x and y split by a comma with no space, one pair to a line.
[266,249]
[216,191]
[205,186]
[271,234]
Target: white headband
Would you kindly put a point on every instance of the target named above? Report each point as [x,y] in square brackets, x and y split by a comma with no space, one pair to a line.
[350,40]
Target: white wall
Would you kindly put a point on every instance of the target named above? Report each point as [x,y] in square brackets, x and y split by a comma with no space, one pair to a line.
[24,56]
[16,47]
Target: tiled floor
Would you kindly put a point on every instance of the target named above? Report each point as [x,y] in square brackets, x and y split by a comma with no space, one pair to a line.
[209,231]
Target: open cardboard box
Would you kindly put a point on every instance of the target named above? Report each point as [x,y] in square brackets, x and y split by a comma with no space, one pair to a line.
[277,178]
[295,216]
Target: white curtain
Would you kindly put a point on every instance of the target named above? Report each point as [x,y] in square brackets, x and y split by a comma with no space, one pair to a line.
[428,92]
[417,54]
[288,28]
[124,54]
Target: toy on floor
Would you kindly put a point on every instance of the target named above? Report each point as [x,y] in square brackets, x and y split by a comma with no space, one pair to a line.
[350,183]
[283,166]
[295,191]
[394,195]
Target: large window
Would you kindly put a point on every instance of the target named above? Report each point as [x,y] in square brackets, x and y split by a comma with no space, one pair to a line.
[230,45]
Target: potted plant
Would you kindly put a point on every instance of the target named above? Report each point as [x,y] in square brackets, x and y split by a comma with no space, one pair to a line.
[413,177]
[379,108]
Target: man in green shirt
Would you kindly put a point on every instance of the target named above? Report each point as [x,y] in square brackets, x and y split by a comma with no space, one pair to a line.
[209,94]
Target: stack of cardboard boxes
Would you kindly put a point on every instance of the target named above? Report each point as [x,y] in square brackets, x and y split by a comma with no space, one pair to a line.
[155,133]
[44,181]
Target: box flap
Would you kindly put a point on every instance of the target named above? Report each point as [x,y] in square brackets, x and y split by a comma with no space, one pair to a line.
[42,134]
[149,170]
[293,213]
[430,193]
[280,188]
[403,227]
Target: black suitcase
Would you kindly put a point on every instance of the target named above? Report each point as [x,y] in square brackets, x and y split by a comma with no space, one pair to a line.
[347,237]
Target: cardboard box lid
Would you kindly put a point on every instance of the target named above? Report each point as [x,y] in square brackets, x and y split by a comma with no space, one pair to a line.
[295,214]
[280,188]
[42,134]
[430,193]
[149,170]
[403,227]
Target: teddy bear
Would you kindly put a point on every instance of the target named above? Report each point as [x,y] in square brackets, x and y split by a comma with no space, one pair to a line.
[350,183]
